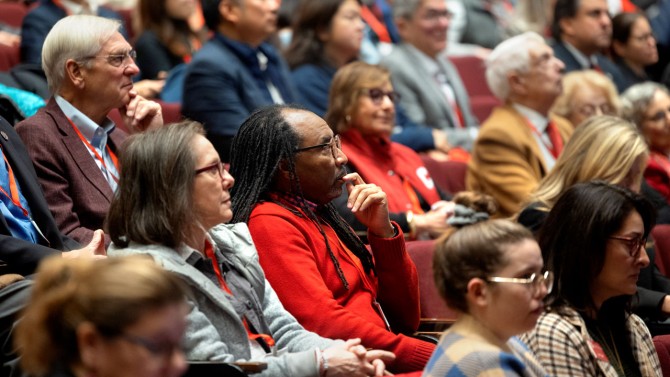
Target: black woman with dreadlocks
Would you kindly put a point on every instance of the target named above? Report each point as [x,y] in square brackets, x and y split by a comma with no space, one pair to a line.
[289,167]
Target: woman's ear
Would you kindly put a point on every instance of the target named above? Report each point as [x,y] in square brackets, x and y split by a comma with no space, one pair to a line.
[477,293]
[90,343]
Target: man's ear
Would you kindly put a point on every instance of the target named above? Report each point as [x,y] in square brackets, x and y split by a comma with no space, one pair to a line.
[517,83]
[229,11]
[566,25]
[75,73]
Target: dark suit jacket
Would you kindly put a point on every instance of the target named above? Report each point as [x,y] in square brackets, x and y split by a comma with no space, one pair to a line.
[17,255]
[75,189]
[220,91]
[607,66]
[39,21]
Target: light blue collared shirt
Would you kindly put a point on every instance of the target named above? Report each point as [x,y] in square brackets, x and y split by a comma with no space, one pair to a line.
[95,135]
[540,123]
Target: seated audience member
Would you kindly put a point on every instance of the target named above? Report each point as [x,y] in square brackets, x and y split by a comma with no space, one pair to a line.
[28,232]
[585,94]
[235,72]
[381,33]
[612,150]
[38,23]
[648,106]
[478,26]
[533,15]
[581,30]
[316,52]
[362,114]
[491,273]
[519,143]
[71,142]
[115,318]
[431,90]
[593,240]
[235,314]
[289,168]
[633,47]
[166,39]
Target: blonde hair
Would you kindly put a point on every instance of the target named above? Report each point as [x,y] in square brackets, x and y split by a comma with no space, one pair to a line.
[574,81]
[112,294]
[603,148]
[345,90]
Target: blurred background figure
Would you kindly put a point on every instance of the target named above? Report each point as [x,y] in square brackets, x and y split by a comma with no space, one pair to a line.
[633,47]
[110,318]
[492,274]
[362,113]
[585,94]
[648,106]
[166,38]
[593,240]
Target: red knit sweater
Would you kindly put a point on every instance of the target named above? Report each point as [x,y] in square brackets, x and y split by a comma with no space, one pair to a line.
[294,257]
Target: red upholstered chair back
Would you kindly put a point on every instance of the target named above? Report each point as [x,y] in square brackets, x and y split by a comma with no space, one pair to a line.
[432,305]
[12,13]
[661,236]
[9,56]
[473,73]
[662,344]
[171,114]
[449,176]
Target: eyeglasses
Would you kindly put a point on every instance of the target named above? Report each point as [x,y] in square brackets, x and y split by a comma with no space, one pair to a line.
[117,60]
[334,144]
[634,244]
[434,16]
[163,350]
[602,109]
[535,281]
[377,95]
[211,169]
[659,116]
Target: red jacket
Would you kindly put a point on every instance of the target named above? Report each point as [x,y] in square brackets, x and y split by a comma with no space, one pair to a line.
[657,174]
[388,164]
[293,255]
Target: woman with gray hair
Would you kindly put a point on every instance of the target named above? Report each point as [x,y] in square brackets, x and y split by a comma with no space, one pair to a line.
[648,106]
[235,314]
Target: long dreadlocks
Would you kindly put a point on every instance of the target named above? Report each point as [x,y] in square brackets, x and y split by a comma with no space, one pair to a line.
[263,141]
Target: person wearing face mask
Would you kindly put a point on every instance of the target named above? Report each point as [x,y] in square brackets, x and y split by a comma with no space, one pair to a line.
[593,240]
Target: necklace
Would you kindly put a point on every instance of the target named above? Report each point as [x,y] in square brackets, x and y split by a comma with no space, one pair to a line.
[618,366]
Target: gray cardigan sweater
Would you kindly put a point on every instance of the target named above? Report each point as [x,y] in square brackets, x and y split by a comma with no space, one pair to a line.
[214,331]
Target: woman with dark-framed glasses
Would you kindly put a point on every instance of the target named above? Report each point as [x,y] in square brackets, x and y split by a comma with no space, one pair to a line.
[362,112]
[117,317]
[593,239]
[492,274]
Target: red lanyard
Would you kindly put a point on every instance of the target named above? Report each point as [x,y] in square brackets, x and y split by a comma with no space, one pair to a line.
[209,252]
[13,188]
[556,146]
[375,24]
[115,161]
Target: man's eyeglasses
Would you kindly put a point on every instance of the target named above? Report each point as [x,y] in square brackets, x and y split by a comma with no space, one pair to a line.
[116,60]
[635,244]
[535,281]
[217,167]
[335,145]
[163,350]
[433,16]
[377,95]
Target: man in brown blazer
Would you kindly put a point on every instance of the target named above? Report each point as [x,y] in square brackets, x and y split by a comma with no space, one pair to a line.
[72,143]
[519,142]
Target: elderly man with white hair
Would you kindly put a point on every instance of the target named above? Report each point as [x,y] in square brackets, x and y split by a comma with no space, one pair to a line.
[519,143]
[73,144]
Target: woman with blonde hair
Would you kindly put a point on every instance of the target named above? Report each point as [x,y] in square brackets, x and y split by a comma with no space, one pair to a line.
[609,149]
[585,94]
[108,318]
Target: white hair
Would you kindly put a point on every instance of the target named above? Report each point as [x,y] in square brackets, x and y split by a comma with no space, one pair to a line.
[510,55]
[77,37]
